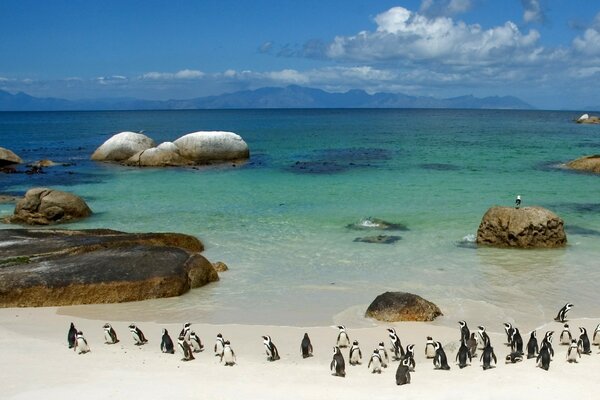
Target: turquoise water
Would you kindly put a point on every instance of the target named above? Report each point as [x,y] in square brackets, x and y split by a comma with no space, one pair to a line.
[280,221]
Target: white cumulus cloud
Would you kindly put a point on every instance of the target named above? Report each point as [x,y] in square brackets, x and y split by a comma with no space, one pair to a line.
[532,11]
[589,43]
[183,74]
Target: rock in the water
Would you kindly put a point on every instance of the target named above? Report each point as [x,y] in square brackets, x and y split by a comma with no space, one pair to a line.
[379,239]
[43,206]
[587,164]
[220,266]
[377,223]
[526,227]
[164,155]
[7,157]
[122,146]
[63,267]
[402,306]
[587,119]
[209,146]
[7,198]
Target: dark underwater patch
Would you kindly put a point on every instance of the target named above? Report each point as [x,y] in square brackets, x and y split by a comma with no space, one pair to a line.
[333,161]
[439,167]
[582,208]
[379,239]
[579,230]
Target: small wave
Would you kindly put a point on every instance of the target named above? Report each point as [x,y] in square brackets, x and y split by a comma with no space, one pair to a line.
[468,242]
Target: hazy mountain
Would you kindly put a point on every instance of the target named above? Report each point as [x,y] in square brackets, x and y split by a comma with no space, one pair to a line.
[268,97]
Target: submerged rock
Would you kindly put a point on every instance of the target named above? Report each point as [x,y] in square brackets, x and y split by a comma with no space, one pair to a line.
[220,266]
[122,146]
[586,164]
[402,306]
[526,227]
[376,223]
[7,157]
[64,267]
[379,239]
[208,146]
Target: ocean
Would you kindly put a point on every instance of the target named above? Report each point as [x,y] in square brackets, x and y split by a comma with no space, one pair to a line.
[280,221]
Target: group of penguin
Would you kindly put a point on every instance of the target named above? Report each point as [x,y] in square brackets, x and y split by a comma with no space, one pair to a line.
[189,343]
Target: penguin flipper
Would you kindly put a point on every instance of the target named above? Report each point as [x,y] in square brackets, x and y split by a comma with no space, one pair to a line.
[494,358]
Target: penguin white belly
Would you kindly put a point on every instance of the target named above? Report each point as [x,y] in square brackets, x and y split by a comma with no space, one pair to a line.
[228,357]
[429,351]
[107,337]
[343,341]
[82,346]
[355,359]
[375,365]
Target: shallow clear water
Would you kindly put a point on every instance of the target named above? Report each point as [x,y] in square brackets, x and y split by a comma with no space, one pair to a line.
[280,221]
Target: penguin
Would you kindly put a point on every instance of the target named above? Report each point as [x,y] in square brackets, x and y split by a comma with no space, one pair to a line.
[306,347]
[562,313]
[375,362]
[584,342]
[228,355]
[72,336]
[508,328]
[110,336]
[472,345]
[138,335]
[518,201]
[396,345]
[532,345]
[219,345]
[544,357]
[484,339]
[355,356]
[514,357]
[185,348]
[430,348]
[186,330]
[342,340]
[403,373]
[565,336]
[81,345]
[410,356]
[465,334]
[463,355]
[270,348]
[516,342]
[596,337]
[166,344]
[547,341]
[488,356]
[338,366]
[440,361]
[384,355]
[574,352]
[195,342]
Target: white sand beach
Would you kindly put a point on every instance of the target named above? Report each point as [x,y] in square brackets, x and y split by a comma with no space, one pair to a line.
[37,363]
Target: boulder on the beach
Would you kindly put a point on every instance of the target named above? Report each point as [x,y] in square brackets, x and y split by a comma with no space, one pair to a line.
[376,224]
[65,267]
[402,306]
[209,146]
[527,227]
[164,155]
[43,206]
[7,157]
[122,146]
[586,164]
[220,266]
[379,239]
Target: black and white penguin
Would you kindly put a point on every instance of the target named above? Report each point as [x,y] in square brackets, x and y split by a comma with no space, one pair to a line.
[72,336]
[338,366]
[463,355]
[518,201]
[110,336]
[544,357]
[219,345]
[375,362]
[81,345]
[403,373]
[166,344]
[228,355]
[596,337]
[508,328]
[488,356]
[514,357]
[342,340]
[384,355]
[270,348]
[306,348]
[565,336]
[516,341]
[465,334]
[396,348]
[185,348]
[562,313]
[584,342]
[440,361]
[532,345]
[472,345]
[138,335]
[355,356]
[484,339]
[547,342]
[186,331]
[195,342]
[574,352]
[430,348]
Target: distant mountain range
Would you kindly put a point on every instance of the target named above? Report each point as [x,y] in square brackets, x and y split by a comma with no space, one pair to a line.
[268,97]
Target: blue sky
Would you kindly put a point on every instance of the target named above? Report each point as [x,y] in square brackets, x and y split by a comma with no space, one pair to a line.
[546,52]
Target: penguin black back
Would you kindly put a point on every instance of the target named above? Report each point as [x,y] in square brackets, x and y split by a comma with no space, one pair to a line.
[463,355]
[544,358]
[516,341]
[532,345]
[403,373]
[72,336]
[306,346]
[166,344]
[488,356]
[562,313]
[440,361]
[338,365]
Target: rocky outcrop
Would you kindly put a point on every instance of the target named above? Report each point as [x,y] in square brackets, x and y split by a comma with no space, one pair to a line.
[402,306]
[43,206]
[63,267]
[220,266]
[587,119]
[164,155]
[7,157]
[210,146]
[586,164]
[122,146]
[527,227]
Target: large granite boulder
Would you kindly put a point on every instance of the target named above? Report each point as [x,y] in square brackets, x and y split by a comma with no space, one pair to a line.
[63,267]
[164,155]
[122,146]
[588,119]
[587,164]
[402,306]
[526,227]
[208,146]
[7,157]
[43,206]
